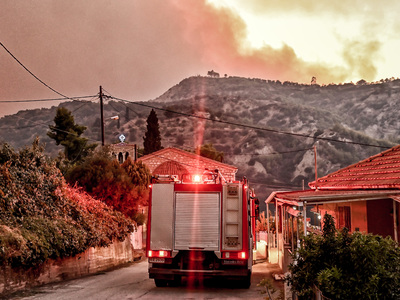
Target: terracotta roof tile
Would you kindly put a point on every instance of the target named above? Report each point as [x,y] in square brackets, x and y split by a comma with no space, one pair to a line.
[381,171]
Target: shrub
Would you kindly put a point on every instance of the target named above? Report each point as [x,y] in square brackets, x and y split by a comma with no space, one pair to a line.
[346,266]
[122,187]
[42,217]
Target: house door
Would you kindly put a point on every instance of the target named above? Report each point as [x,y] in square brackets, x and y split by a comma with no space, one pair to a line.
[344,217]
[380,217]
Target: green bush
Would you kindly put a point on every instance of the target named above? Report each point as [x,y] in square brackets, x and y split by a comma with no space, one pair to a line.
[122,187]
[42,217]
[346,266]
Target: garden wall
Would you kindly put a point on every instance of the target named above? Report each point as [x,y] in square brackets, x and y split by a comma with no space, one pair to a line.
[91,261]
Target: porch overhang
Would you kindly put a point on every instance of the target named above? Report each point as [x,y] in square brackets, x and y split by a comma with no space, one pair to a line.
[313,197]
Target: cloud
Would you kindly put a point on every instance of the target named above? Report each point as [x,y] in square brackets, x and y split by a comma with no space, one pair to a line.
[360,57]
[221,36]
[139,49]
[368,22]
[365,8]
[133,48]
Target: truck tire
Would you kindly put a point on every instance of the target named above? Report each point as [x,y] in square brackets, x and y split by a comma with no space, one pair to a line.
[161,282]
[246,282]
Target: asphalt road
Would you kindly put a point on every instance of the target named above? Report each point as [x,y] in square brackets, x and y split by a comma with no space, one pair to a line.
[132,282]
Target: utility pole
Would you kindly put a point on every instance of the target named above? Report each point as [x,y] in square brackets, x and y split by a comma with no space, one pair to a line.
[102,116]
[316,168]
[135,155]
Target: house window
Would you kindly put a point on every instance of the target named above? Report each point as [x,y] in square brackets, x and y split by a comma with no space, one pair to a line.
[344,219]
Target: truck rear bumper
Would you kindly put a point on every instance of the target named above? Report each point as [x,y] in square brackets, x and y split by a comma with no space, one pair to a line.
[171,274]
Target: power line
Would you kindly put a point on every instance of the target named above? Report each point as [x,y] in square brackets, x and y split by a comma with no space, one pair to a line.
[40,124]
[44,100]
[113,107]
[274,186]
[200,117]
[47,126]
[251,154]
[269,185]
[34,76]
[252,126]
[272,153]
[112,97]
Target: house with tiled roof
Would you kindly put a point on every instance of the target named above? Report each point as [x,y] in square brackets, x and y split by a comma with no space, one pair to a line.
[173,161]
[361,197]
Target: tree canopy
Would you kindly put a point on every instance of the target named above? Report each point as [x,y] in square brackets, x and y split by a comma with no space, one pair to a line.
[68,134]
[208,150]
[346,266]
[123,187]
[152,138]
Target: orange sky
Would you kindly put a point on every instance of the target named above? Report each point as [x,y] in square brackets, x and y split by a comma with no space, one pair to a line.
[139,49]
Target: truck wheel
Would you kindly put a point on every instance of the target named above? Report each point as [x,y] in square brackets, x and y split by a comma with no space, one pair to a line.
[246,282]
[160,282]
[176,281]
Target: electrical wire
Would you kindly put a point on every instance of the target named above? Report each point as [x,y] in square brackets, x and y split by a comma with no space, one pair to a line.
[44,100]
[47,126]
[33,75]
[74,134]
[200,117]
[251,154]
[272,153]
[252,126]
[288,186]
[40,124]
[85,103]
[122,102]
[113,107]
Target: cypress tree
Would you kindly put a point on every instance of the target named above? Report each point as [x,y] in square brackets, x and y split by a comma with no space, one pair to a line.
[152,138]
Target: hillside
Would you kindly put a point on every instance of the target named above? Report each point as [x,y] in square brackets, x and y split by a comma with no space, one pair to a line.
[282,122]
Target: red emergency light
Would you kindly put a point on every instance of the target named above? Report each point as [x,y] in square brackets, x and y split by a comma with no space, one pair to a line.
[197,178]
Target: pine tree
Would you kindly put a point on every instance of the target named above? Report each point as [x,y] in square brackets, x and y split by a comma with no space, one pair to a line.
[152,138]
[68,134]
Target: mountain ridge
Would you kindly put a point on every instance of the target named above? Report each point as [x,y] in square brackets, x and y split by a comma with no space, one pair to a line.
[266,128]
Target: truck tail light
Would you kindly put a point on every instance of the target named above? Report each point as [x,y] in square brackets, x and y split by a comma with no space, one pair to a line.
[158,253]
[234,255]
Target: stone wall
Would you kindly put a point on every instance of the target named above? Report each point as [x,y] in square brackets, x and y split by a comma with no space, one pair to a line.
[92,261]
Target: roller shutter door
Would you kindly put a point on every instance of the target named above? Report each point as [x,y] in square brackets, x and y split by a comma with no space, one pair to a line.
[197,221]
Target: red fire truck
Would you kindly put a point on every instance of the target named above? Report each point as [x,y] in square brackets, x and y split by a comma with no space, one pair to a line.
[200,226]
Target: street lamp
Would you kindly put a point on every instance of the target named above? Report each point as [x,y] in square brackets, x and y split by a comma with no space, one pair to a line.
[102,131]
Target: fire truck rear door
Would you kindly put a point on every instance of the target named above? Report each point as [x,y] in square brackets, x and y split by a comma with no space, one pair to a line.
[197,221]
